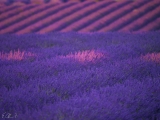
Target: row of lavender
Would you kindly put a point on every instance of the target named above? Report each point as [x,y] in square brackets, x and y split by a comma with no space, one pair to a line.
[80,76]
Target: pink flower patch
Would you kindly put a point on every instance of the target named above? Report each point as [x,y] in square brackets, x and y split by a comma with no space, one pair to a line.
[15,55]
[155,57]
[86,56]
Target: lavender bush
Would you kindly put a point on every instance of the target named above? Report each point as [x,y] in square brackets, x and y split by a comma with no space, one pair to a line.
[67,76]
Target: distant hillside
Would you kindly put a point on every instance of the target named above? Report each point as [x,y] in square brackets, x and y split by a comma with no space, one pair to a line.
[87,16]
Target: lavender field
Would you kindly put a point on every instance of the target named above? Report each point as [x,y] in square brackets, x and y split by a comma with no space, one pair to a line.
[40,16]
[78,76]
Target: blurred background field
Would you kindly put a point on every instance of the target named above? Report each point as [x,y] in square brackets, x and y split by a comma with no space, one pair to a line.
[87,16]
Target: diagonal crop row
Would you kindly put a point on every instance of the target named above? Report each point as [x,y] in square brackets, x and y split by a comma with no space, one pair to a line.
[66,21]
[107,18]
[19,25]
[46,21]
[18,17]
[18,10]
[151,26]
[33,22]
[141,21]
[126,19]
[63,14]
